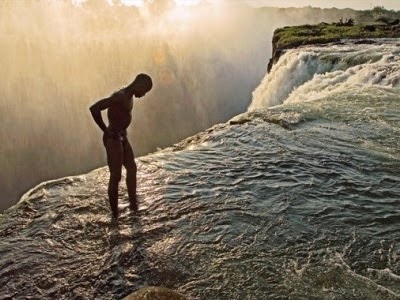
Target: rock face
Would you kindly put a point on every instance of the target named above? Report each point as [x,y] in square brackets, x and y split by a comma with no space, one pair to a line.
[155,293]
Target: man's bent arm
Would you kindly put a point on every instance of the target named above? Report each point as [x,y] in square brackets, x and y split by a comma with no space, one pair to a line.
[96,109]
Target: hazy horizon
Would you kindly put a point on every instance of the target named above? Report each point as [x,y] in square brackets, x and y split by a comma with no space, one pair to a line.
[341,4]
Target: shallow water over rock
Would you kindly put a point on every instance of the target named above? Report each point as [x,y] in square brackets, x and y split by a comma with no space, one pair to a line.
[300,200]
[250,210]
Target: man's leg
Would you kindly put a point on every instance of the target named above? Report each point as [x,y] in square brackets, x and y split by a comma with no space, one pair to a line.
[131,170]
[114,161]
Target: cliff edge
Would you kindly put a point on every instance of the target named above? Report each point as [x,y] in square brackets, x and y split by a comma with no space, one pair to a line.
[294,36]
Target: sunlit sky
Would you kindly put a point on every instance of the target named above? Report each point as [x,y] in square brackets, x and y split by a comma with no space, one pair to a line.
[356,4]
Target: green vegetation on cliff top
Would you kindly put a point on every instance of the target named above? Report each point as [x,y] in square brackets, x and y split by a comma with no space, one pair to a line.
[293,36]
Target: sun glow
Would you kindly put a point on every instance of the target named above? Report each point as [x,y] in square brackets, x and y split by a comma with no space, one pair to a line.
[140,3]
[181,14]
[186,2]
[137,3]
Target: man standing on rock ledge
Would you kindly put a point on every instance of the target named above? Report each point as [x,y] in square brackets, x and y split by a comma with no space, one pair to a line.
[119,151]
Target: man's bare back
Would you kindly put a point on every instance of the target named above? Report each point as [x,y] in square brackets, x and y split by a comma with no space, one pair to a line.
[119,151]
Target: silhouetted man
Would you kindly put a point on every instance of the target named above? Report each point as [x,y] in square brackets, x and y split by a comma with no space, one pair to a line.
[119,151]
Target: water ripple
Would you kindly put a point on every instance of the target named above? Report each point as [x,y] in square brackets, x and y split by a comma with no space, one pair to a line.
[250,210]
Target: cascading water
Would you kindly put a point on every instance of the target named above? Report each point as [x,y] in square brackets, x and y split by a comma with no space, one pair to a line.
[311,73]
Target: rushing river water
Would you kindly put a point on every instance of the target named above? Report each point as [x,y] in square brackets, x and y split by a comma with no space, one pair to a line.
[296,201]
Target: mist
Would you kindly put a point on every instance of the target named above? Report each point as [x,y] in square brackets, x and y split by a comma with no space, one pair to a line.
[58,58]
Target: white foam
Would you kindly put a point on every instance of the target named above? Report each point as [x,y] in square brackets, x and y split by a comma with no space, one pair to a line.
[312,73]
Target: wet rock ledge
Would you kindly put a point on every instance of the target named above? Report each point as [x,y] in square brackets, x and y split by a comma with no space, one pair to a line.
[155,293]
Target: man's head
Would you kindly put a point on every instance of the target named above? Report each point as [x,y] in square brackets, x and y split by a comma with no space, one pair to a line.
[141,85]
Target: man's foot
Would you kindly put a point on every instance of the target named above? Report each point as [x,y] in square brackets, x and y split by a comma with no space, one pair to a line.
[114,222]
[114,218]
[133,206]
